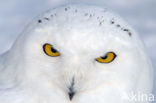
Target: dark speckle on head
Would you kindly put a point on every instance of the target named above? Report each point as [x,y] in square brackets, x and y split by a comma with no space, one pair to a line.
[66,9]
[112,22]
[39,21]
[125,30]
[117,25]
[104,10]
[46,18]
[128,31]
[75,10]
[130,34]
[101,22]
[90,15]
[86,14]
[51,15]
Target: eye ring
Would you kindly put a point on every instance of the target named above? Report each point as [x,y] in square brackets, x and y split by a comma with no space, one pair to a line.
[107,58]
[50,50]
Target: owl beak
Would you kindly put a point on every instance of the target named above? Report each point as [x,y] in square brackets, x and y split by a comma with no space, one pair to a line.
[71,92]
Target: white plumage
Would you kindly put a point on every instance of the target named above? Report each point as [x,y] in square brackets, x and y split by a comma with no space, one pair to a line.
[81,34]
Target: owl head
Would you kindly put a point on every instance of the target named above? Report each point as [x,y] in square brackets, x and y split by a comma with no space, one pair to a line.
[80,51]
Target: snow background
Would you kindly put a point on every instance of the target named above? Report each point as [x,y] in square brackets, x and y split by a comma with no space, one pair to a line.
[141,14]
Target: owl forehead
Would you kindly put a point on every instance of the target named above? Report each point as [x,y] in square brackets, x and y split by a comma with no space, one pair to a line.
[78,26]
[83,17]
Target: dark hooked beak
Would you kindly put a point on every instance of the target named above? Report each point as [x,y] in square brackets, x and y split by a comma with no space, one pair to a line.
[71,92]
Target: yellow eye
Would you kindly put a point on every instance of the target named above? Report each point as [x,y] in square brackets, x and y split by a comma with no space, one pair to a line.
[50,51]
[109,57]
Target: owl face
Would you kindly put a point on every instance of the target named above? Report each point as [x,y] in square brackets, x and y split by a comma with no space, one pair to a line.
[82,49]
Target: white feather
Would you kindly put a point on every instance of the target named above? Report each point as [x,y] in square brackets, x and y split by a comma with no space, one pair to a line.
[81,33]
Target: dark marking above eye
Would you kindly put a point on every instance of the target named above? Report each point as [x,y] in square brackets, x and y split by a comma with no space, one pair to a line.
[39,21]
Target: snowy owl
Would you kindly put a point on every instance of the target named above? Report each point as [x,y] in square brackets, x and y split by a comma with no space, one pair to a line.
[75,54]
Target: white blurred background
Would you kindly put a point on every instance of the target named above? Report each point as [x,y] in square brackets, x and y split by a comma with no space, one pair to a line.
[141,14]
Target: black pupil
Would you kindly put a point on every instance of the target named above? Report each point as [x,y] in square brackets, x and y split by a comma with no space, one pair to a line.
[53,50]
[104,57]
